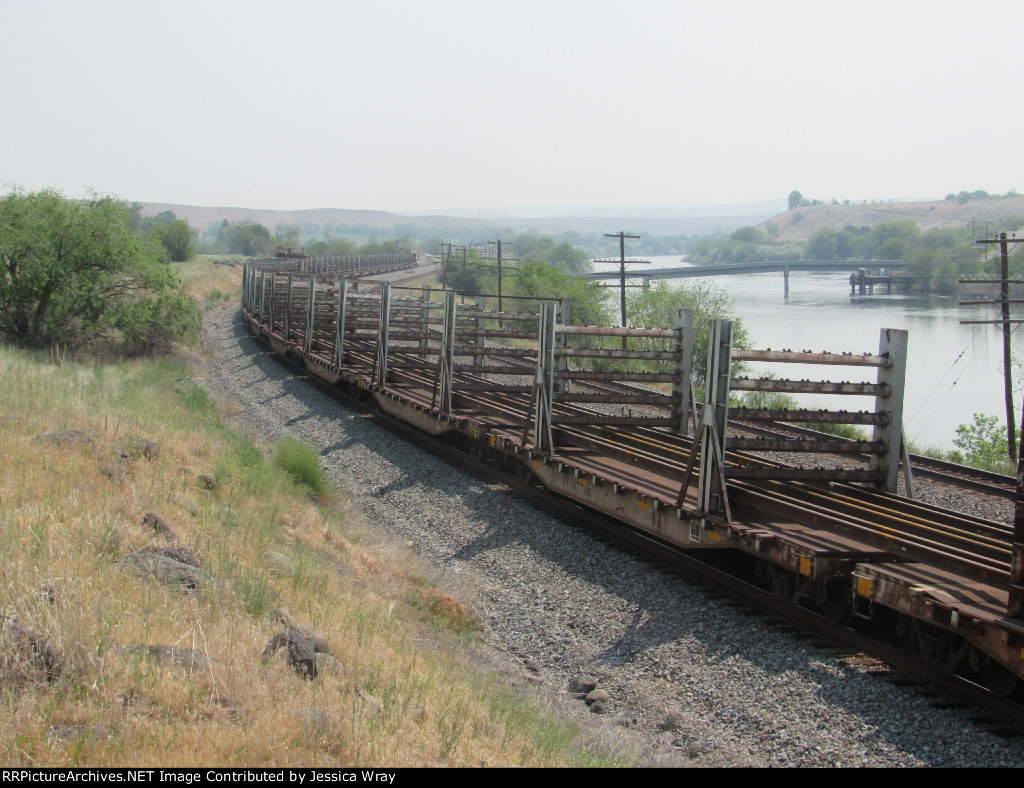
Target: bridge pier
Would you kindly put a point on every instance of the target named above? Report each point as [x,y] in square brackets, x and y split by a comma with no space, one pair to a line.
[785,281]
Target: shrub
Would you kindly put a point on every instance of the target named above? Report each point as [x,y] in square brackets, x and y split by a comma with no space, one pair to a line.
[983,443]
[301,463]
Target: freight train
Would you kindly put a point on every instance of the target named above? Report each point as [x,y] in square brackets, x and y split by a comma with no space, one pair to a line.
[606,417]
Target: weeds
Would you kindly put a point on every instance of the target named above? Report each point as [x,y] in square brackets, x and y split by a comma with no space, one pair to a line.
[446,612]
[449,730]
[258,597]
[301,463]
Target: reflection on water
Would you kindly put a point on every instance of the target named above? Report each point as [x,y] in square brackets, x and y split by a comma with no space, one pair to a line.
[953,370]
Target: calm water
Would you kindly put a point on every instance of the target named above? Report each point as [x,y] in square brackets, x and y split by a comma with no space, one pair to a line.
[953,370]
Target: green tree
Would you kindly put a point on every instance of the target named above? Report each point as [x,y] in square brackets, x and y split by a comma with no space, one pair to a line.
[823,245]
[286,235]
[543,249]
[76,271]
[587,306]
[179,239]
[795,199]
[245,237]
[655,307]
[890,240]
[846,245]
[748,235]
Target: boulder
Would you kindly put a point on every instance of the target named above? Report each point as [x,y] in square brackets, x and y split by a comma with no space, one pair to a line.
[188,504]
[115,472]
[278,562]
[179,656]
[299,652]
[317,638]
[67,438]
[158,524]
[327,663]
[597,696]
[175,566]
[180,554]
[371,705]
[24,652]
[582,683]
[321,724]
[134,447]
[91,732]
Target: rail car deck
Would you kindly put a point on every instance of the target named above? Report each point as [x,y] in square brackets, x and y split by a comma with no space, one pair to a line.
[539,407]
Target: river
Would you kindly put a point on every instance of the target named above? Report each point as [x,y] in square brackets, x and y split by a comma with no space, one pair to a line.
[953,370]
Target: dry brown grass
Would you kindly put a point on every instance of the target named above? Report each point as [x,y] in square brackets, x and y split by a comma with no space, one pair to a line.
[212,279]
[801,223]
[68,513]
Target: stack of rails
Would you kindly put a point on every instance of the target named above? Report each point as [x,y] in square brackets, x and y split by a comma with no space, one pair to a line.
[844,548]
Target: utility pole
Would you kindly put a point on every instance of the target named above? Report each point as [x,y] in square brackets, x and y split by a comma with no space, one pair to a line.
[1004,308]
[1004,302]
[446,262]
[622,236]
[498,242]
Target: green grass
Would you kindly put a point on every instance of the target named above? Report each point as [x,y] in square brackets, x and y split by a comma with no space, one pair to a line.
[302,464]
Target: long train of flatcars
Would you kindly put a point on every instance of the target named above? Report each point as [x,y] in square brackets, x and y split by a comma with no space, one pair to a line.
[610,429]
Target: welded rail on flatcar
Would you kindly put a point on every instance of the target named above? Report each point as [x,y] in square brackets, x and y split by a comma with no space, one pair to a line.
[428,363]
[576,423]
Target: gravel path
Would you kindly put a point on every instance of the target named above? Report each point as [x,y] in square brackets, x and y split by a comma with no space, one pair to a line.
[732,690]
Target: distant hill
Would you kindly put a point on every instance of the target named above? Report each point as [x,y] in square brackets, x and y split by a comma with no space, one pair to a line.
[717,219]
[202,217]
[800,224]
[648,225]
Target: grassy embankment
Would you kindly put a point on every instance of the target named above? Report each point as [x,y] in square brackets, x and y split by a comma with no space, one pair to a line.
[400,692]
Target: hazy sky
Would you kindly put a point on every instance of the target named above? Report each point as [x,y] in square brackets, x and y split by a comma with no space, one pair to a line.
[416,104]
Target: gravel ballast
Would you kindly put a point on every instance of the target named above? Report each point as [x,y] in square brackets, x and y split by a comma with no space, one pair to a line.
[690,677]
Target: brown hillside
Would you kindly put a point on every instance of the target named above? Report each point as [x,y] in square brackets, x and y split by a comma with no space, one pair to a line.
[801,223]
[201,217]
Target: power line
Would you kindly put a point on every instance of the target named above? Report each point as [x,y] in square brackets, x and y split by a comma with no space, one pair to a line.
[946,396]
[938,383]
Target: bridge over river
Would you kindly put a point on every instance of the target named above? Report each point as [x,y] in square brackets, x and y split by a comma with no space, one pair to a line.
[736,269]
